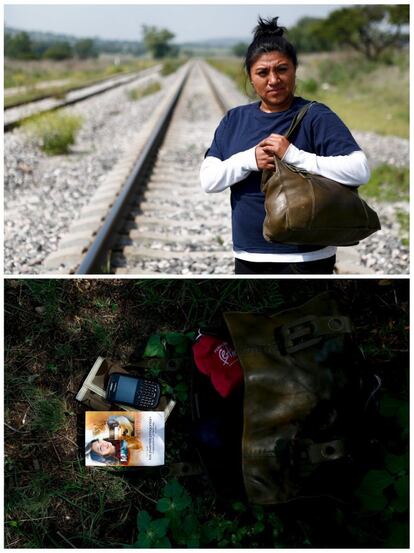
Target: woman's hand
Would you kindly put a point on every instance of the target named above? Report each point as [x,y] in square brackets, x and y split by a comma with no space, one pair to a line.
[275,144]
[264,160]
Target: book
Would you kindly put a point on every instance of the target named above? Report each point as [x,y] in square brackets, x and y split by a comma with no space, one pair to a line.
[124,438]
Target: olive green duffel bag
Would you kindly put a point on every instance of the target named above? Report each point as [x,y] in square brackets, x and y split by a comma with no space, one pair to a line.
[302,395]
[304,208]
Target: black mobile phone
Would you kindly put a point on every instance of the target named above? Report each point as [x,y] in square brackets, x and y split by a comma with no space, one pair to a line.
[140,393]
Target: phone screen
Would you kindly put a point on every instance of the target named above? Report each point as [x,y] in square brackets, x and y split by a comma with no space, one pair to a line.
[126,389]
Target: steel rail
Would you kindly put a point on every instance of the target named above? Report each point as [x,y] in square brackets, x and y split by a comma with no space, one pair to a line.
[97,256]
[88,84]
[223,105]
[64,103]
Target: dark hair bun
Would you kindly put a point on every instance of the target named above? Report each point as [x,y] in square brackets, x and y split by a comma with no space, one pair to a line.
[268,27]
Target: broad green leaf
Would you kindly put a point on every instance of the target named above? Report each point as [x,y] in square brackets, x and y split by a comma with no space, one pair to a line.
[403,414]
[375,482]
[163,505]
[182,502]
[212,531]
[175,338]
[143,541]
[181,391]
[398,536]
[396,463]
[276,523]
[191,524]
[370,492]
[193,541]
[258,512]
[143,521]
[154,347]
[373,502]
[163,543]
[390,406]
[258,527]
[401,487]
[239,507]
[182,348]
[173,489]
[159,527]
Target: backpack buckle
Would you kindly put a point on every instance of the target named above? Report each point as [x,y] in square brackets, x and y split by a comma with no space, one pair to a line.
[308,331]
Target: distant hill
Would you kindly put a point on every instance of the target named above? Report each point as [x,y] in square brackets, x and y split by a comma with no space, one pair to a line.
[214,43]
[103,45]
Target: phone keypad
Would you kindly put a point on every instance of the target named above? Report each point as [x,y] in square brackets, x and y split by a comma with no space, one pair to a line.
[147,395]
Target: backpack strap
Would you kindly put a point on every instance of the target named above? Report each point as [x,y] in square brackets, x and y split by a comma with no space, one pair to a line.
[297,119]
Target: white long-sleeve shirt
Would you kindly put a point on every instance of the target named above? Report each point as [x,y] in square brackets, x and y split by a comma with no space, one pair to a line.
[217,175]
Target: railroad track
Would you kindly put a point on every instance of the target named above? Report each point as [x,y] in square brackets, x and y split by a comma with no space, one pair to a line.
[150,216]
[16,115]
[154,218]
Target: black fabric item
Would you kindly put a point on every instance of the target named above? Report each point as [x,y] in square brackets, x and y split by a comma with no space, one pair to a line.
[318,267]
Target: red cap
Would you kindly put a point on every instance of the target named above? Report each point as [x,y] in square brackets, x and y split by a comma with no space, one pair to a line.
[218,360]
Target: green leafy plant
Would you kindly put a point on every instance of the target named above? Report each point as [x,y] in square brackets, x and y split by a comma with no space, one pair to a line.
[179,524]
[55,131]
[185,523]
[163,344]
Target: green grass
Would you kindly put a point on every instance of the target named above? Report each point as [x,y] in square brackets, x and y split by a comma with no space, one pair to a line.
[53,501]
[367,96]
[138,93]
[364,93]
[171,65]
[55,131]
[388,184]
[77,74]
[403,219]
[48,413]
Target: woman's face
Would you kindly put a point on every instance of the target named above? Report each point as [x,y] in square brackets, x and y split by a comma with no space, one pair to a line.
[103,448]
[273,76]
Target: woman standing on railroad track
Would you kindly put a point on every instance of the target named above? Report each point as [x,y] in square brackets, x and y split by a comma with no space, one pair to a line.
[249,136]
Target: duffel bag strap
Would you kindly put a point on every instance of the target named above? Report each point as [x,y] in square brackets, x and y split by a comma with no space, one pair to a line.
[308,331]
[297,119]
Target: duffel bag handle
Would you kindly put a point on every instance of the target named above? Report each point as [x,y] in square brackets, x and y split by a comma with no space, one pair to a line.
[297,119]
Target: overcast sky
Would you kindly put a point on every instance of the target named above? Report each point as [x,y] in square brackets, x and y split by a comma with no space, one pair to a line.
[188,22]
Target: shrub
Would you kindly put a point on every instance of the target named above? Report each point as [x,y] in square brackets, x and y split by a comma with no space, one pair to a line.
[309,85]
[171,65]
[138,93]
[339,73]
[55,131]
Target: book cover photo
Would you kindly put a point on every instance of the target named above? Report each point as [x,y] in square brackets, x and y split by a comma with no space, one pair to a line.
[124,438]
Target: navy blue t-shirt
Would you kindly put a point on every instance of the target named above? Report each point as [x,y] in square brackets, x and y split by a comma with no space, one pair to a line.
[321,132]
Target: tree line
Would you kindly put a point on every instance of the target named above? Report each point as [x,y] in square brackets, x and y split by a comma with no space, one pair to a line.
[21,46]
[369,29]
[156,42]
